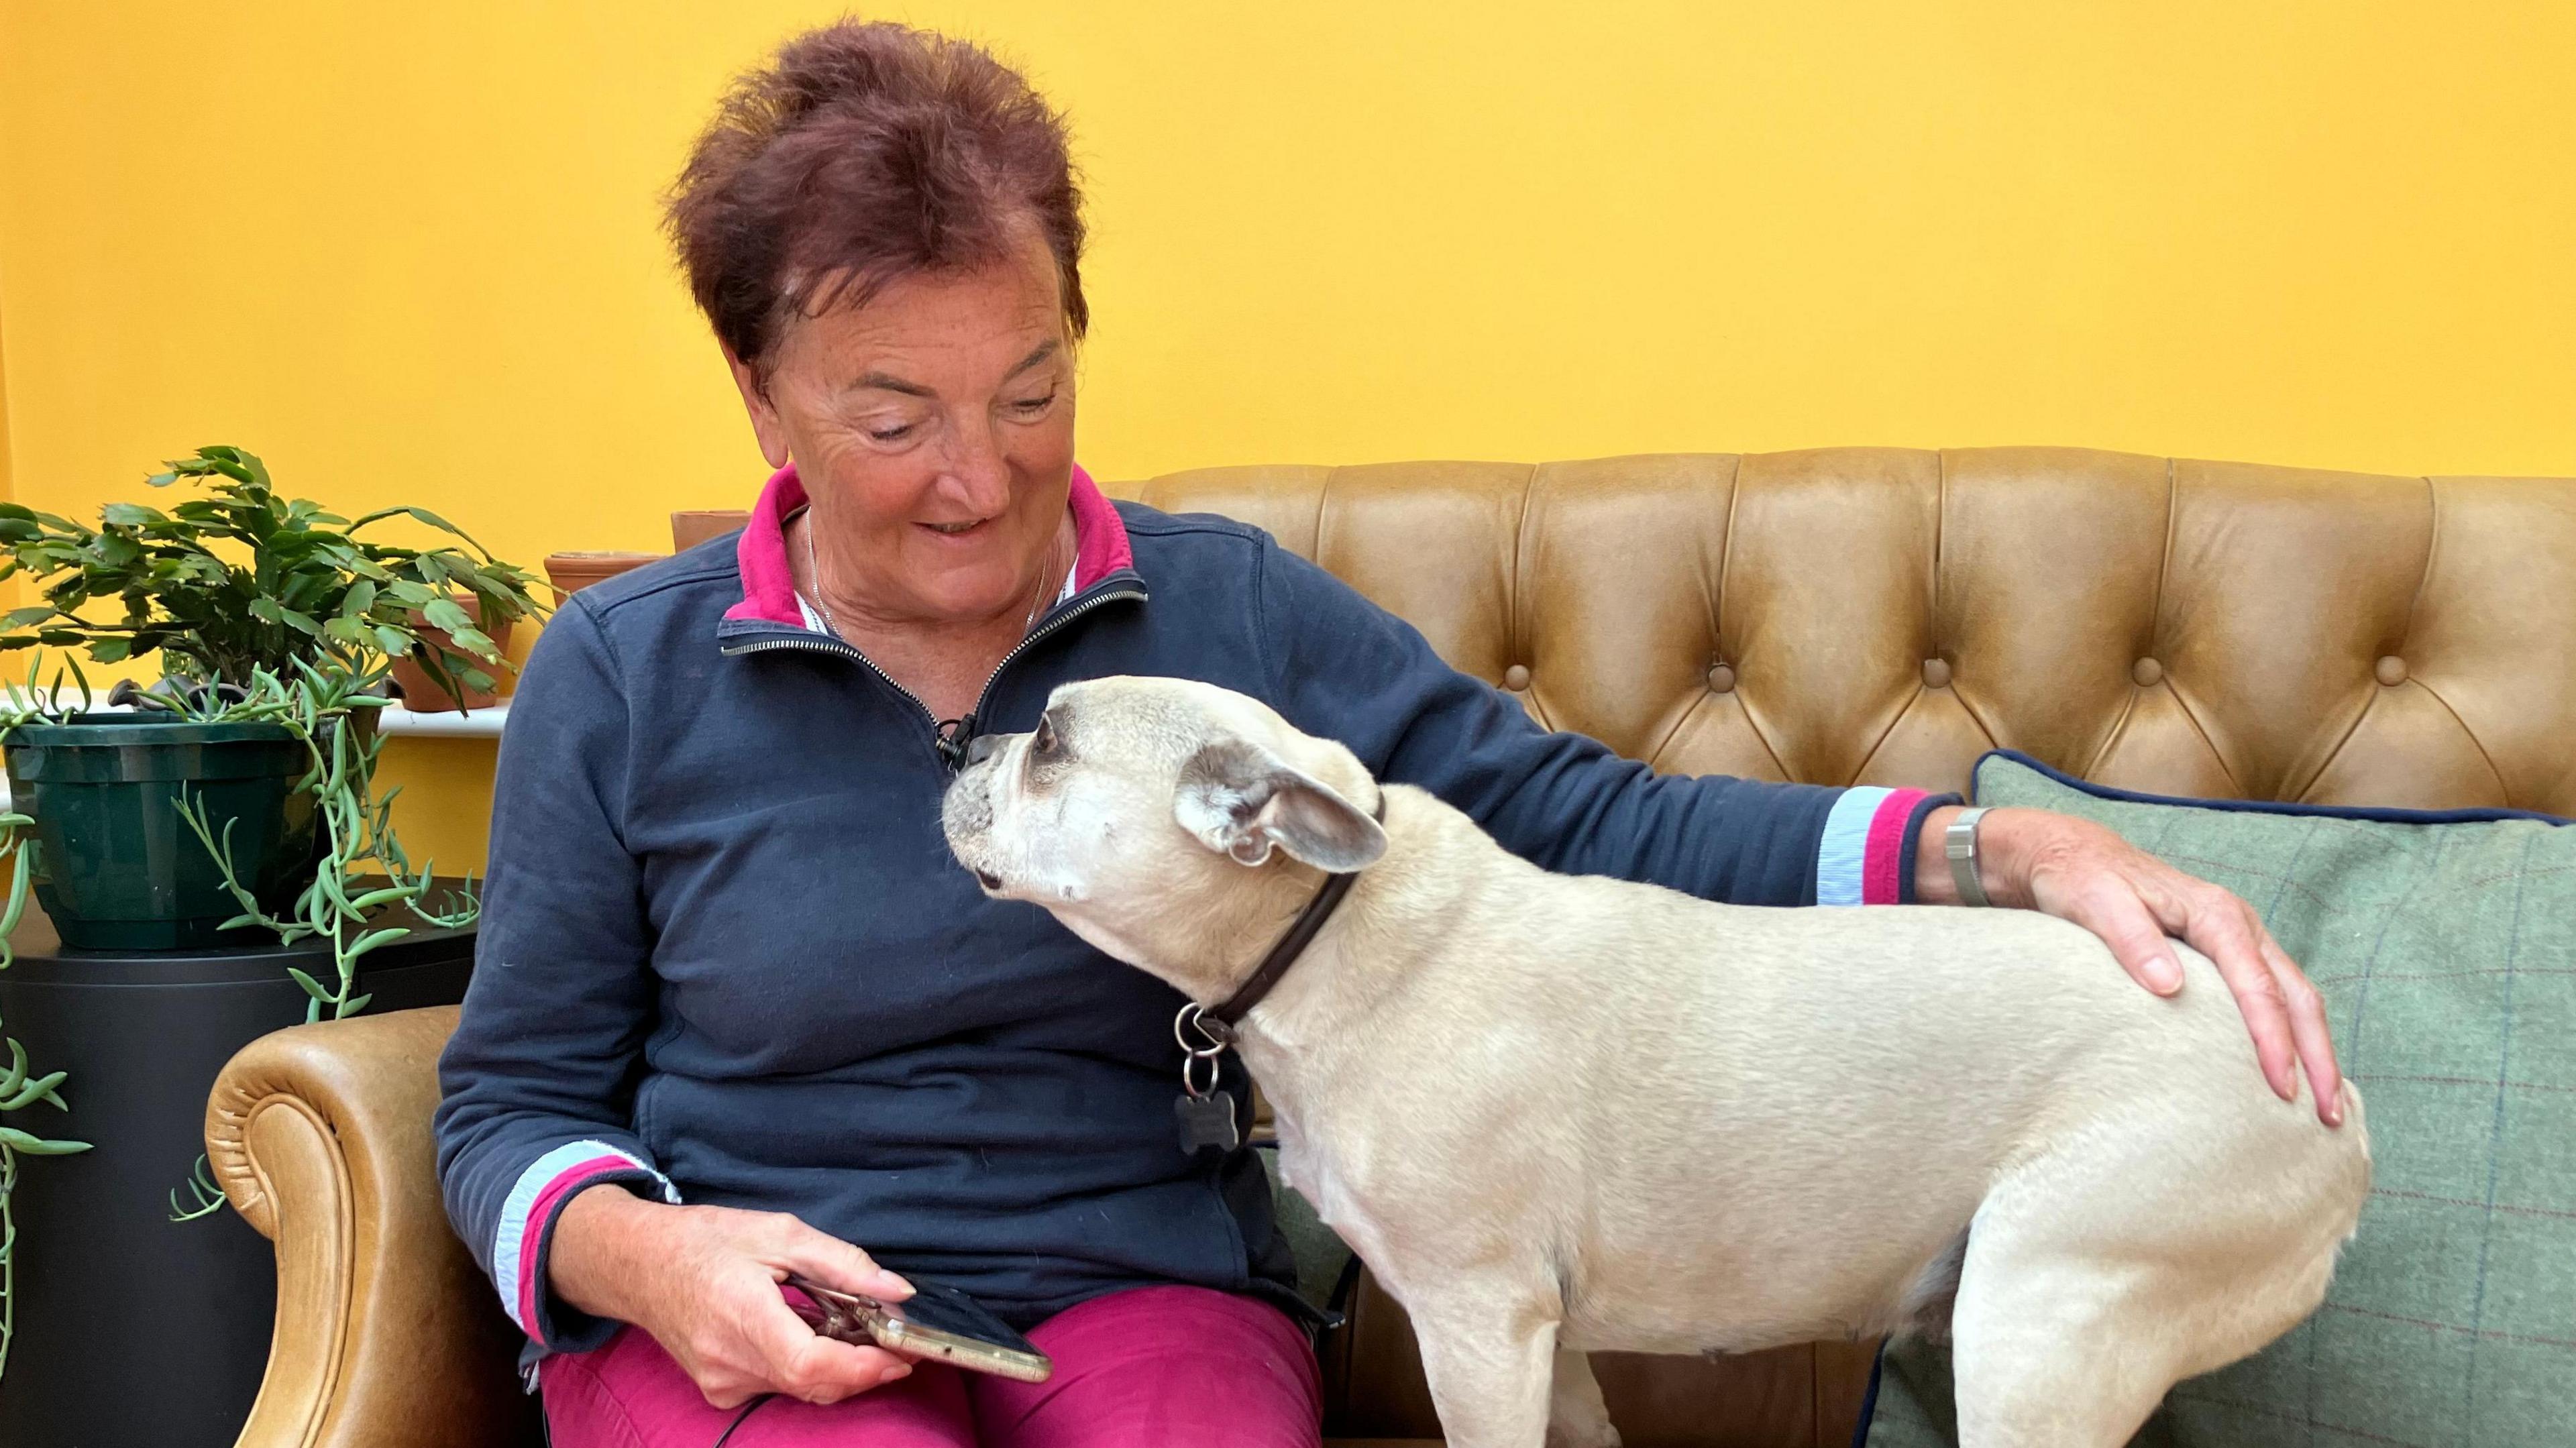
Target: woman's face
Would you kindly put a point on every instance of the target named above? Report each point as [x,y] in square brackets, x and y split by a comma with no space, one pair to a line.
[933,429]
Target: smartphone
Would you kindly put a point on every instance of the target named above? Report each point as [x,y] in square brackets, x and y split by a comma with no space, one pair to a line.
[937,1322]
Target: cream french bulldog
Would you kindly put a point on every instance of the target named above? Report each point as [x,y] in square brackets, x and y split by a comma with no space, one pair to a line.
[1559,1114]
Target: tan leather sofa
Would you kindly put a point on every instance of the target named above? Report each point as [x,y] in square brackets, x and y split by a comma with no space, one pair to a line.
[1844,616]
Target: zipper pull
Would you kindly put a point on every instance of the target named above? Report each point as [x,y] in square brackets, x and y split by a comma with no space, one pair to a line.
[954,735]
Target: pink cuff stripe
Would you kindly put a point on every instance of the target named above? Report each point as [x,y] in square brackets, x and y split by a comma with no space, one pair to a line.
[539,1221]
[1880,882]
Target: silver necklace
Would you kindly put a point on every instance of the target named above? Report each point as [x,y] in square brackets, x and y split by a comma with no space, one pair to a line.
[814,571]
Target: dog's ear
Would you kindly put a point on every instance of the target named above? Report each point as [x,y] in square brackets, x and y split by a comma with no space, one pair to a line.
[1240,800]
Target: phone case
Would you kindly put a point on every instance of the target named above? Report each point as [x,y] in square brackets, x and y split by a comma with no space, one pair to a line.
[965,1334]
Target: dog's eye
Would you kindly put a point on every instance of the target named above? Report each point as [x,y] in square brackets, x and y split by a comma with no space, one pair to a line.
[1042,743]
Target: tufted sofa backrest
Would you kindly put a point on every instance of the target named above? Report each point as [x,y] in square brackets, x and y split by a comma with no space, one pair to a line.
[1883,616]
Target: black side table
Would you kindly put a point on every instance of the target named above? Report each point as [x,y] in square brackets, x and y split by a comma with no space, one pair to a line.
[132,1328]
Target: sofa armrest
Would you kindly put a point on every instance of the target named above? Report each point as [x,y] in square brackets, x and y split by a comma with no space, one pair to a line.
[387,1335]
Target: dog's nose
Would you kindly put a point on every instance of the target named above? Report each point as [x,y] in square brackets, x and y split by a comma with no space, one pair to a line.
[981,748]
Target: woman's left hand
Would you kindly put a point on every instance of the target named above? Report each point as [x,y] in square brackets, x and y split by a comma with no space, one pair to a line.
[2080,871]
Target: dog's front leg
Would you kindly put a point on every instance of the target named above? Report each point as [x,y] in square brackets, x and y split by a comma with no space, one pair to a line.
[1576,1416]
[1488,1358]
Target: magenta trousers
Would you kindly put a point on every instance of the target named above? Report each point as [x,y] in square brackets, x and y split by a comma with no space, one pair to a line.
[1136,1369]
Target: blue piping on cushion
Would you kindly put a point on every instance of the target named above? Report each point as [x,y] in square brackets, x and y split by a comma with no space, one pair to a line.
[2265,806]
[1869,1397]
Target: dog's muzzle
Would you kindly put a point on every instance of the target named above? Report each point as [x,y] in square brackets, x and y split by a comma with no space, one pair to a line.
[967,812]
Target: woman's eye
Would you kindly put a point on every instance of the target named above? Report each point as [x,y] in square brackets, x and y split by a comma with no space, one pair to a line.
[1032,406]
[891,434]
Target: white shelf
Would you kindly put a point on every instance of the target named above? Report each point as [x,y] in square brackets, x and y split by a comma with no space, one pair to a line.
[396,720]
[391,719]
[399,722]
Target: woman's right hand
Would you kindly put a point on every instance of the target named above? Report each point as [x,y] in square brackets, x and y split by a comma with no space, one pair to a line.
[704,1282]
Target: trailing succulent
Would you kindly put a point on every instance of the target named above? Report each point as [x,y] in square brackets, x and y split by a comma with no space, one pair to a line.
[363,869]
[20,1087]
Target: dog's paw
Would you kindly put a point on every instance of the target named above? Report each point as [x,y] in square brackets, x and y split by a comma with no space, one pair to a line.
[1576,1416]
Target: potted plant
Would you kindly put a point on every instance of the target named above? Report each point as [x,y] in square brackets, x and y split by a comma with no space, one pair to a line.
[228,588]
[220,862]
[440,675]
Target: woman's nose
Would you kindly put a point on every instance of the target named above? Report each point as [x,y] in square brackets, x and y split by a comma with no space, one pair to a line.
[978,473]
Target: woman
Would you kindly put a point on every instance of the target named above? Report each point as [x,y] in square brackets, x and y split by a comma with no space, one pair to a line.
[736,1009]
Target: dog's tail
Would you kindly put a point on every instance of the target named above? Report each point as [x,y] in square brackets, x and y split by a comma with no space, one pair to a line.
[2357,1128]
[2352,1115]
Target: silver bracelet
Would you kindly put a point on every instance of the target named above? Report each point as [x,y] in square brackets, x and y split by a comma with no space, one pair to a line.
[1959,847]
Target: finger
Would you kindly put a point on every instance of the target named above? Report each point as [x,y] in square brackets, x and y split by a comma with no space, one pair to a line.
[724,1388]
[2308,1029]
[805,1365]
[2224,928]
[2169,895]
[835,1263]
[827,1370]
[2126,924]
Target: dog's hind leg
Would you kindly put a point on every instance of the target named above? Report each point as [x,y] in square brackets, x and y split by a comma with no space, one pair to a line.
[1576,1416]
[2078,1306]
[2065,1358]
[2062,1328]
[2094,1281]
[2062,1343]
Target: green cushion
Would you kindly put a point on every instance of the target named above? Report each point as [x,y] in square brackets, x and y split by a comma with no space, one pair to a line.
[2445,945]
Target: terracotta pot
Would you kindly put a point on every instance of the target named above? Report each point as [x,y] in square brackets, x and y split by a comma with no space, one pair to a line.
[688,530]
[573,572]
[422,694]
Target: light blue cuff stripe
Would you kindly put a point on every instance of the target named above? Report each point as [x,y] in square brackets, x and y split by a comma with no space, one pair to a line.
[510,1237]
[1839,860]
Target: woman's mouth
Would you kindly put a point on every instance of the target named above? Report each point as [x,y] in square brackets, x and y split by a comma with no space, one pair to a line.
[952,530]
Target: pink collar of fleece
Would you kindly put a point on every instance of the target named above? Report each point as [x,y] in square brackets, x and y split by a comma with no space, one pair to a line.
[769,586]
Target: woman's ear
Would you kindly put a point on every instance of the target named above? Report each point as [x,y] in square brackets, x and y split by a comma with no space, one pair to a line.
[765,425]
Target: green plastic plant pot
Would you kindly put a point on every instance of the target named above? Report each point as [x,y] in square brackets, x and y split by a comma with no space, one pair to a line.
[118,869]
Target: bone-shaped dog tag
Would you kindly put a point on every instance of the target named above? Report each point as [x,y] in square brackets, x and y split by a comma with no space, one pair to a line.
[1207,1121]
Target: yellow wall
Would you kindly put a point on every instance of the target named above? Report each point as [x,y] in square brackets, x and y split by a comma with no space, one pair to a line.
[409,252]
[12,584]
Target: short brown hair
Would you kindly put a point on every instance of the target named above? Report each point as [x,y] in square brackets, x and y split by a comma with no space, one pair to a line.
[860,154]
